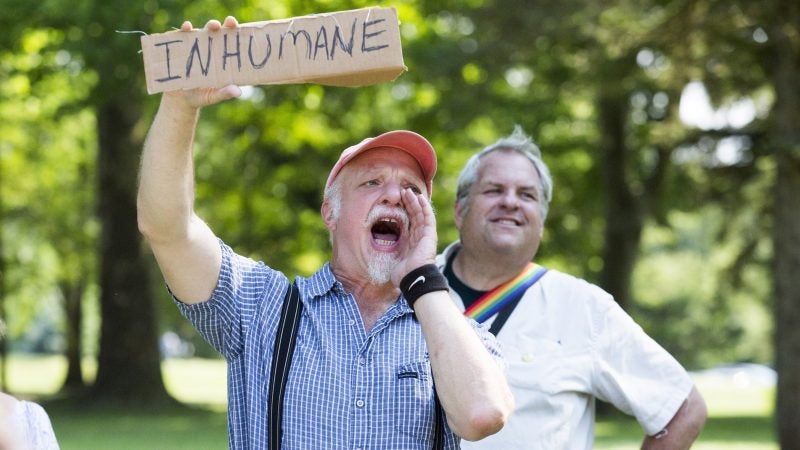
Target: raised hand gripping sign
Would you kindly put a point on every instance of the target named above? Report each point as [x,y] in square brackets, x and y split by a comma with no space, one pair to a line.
[347,48]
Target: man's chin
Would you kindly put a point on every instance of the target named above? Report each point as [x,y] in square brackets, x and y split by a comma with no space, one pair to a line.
[380,267]
[510,245]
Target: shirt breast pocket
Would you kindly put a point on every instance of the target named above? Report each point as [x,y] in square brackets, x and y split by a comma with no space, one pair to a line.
[535,363]
[414,400]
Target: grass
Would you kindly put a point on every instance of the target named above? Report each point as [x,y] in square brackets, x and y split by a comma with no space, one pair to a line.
[740,415]
[198,383]
[168,428]
[720,433]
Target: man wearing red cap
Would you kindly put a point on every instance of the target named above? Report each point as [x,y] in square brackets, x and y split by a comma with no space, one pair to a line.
[377,326]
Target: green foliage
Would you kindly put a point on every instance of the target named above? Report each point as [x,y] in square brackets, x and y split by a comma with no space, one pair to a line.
[685,302]
[46,180]
[475,69]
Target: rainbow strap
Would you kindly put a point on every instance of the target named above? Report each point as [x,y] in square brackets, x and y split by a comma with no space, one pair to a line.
[493,301]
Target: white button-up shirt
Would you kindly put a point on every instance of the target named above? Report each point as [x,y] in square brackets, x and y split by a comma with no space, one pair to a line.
[567,343]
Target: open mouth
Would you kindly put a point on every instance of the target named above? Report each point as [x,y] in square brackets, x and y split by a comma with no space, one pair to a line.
[386,231]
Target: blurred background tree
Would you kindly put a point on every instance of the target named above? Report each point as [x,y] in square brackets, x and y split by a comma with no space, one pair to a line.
[670,128]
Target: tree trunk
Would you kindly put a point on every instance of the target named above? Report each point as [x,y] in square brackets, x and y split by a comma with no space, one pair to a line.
[3,315]
[73,292]
[786,79]
[623,212]
[128,369]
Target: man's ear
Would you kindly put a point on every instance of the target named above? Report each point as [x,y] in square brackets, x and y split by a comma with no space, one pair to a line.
[457,214]
[327,215]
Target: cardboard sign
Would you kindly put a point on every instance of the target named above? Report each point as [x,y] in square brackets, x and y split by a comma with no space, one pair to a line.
[347,48]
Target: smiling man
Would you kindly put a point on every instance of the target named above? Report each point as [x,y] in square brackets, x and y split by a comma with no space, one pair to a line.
[566,342]
[372,339]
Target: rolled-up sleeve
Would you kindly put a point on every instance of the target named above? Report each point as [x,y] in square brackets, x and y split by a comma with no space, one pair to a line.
[636,374]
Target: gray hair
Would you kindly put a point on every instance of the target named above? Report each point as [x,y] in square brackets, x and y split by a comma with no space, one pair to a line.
[333,194]
[518,142]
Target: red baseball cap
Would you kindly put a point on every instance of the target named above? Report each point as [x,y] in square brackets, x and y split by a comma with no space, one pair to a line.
[407,141]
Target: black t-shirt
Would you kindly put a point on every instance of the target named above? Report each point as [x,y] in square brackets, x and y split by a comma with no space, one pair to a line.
[467,294]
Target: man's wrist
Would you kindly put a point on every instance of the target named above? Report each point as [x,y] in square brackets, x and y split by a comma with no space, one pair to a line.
[420,281]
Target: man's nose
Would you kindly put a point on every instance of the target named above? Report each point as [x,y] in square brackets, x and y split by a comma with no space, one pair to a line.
[510,200]
[392,194]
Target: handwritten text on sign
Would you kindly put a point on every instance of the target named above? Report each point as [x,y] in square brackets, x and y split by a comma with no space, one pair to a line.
[348,48]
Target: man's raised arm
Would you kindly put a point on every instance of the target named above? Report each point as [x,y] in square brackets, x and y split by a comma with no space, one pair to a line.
[184,246]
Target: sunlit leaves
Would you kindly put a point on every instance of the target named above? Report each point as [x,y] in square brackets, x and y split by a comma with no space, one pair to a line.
[46,174]
[476,68]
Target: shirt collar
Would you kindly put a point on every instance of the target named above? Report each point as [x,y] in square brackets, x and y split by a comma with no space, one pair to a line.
[447,253]
[323,281]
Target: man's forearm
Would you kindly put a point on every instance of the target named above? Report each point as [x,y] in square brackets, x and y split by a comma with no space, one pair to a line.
[184,246]
[684,428]
[166,184]
[471,386]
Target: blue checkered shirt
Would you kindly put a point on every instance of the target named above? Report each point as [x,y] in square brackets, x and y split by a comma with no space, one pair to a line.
[347,388]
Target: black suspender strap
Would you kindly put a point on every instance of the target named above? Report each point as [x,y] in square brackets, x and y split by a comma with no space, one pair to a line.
[504,314]
[281,360]
[438,433]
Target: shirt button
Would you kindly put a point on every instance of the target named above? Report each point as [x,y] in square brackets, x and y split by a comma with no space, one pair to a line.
[352,322]
[360,403]
[362,360]
[527,357]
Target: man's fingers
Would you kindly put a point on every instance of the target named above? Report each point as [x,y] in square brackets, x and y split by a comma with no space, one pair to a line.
[213,96]
[213,25]
[230,91]
[230,22]
[418,202]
